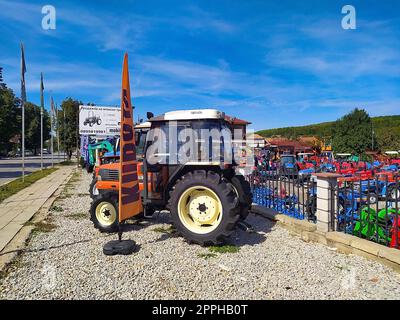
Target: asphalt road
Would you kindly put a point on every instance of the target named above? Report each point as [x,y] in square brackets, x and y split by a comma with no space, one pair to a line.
[11,168]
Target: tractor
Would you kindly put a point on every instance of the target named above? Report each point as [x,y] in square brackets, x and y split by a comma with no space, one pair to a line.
[205,194]
[92,119]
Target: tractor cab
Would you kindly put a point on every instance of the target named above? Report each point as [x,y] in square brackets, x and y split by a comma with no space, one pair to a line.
[288,166]
[183,141]
[188,167]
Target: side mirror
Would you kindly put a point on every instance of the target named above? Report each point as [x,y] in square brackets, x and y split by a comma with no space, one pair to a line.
[149,115]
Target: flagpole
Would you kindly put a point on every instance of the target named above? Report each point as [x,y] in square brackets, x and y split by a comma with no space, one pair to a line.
[64,133]
[51,129]
[58,135]
[23,99]
[41,120]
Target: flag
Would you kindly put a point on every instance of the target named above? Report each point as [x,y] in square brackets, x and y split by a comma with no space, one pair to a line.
[52,112]
[52,108]
[41,94]
[23,71]
[129,197]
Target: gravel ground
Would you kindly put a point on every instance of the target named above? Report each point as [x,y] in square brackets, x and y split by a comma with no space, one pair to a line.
[68,263]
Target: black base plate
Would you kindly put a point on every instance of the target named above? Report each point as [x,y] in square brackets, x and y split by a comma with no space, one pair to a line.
[115,247]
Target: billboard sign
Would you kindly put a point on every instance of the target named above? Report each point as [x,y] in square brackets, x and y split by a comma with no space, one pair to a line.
[99,121]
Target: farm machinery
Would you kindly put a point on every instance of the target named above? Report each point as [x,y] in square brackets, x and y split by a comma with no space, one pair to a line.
[107,145]
[92,119]
[205,195]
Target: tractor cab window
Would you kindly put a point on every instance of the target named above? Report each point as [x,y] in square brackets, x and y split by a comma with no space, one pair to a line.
[288,160]
[171,143]
[140,140]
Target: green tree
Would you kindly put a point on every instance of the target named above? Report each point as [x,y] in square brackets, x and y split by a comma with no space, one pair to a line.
[10,118]
[353,132]
[69,125]
[32,127]
[388,141]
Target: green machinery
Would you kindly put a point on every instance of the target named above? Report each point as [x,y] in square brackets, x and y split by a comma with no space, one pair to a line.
[374,225]
[105,146]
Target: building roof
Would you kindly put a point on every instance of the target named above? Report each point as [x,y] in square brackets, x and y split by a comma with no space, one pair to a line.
[255,136]
[236,121]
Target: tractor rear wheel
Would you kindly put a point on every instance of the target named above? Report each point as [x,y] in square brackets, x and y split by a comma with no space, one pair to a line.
[204,207]
[104,212]
[243,190]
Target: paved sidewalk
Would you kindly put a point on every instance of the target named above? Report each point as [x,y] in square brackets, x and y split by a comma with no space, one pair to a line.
[16,210]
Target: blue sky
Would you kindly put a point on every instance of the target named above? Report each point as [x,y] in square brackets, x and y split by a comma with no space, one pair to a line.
[274,63]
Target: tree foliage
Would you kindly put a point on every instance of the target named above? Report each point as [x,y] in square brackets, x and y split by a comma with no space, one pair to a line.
[353,132]
[32,127]
[68,125]
[10,117]
[386,132]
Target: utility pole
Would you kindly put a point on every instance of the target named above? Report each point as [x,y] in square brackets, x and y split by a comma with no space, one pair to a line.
[372,137]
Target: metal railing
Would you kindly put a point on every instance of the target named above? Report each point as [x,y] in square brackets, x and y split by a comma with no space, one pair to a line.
[369,208]
[284,191]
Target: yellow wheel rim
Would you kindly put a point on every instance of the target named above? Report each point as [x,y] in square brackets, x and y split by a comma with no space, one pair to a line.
[200,210]
[106,213]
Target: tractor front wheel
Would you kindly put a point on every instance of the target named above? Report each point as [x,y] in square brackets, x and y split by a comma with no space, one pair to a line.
[204,207]
[93,191]
[104,213]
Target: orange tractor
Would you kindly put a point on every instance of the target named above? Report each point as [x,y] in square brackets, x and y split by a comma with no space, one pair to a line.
[205,194]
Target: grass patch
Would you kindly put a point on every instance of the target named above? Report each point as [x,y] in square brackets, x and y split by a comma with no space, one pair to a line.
[224,249]
[78,216]
[41,227]
[17,185]
[66,163]
[56,209]
[76,176]
[207,256]
[169,230]
[13,265]
[82,195]
[64,196]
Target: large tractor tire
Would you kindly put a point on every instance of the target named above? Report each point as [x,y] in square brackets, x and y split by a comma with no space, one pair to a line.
[104,212]
[243,190]
[89,168]
[92,189]
[204,207]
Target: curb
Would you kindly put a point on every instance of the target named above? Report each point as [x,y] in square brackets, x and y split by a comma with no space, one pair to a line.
[344,243]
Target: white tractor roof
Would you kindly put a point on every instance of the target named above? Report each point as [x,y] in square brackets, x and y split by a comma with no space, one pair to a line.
[190,115]
[343,154]
[143,125]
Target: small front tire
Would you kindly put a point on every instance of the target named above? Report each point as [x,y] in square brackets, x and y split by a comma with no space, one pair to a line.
[104,213]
